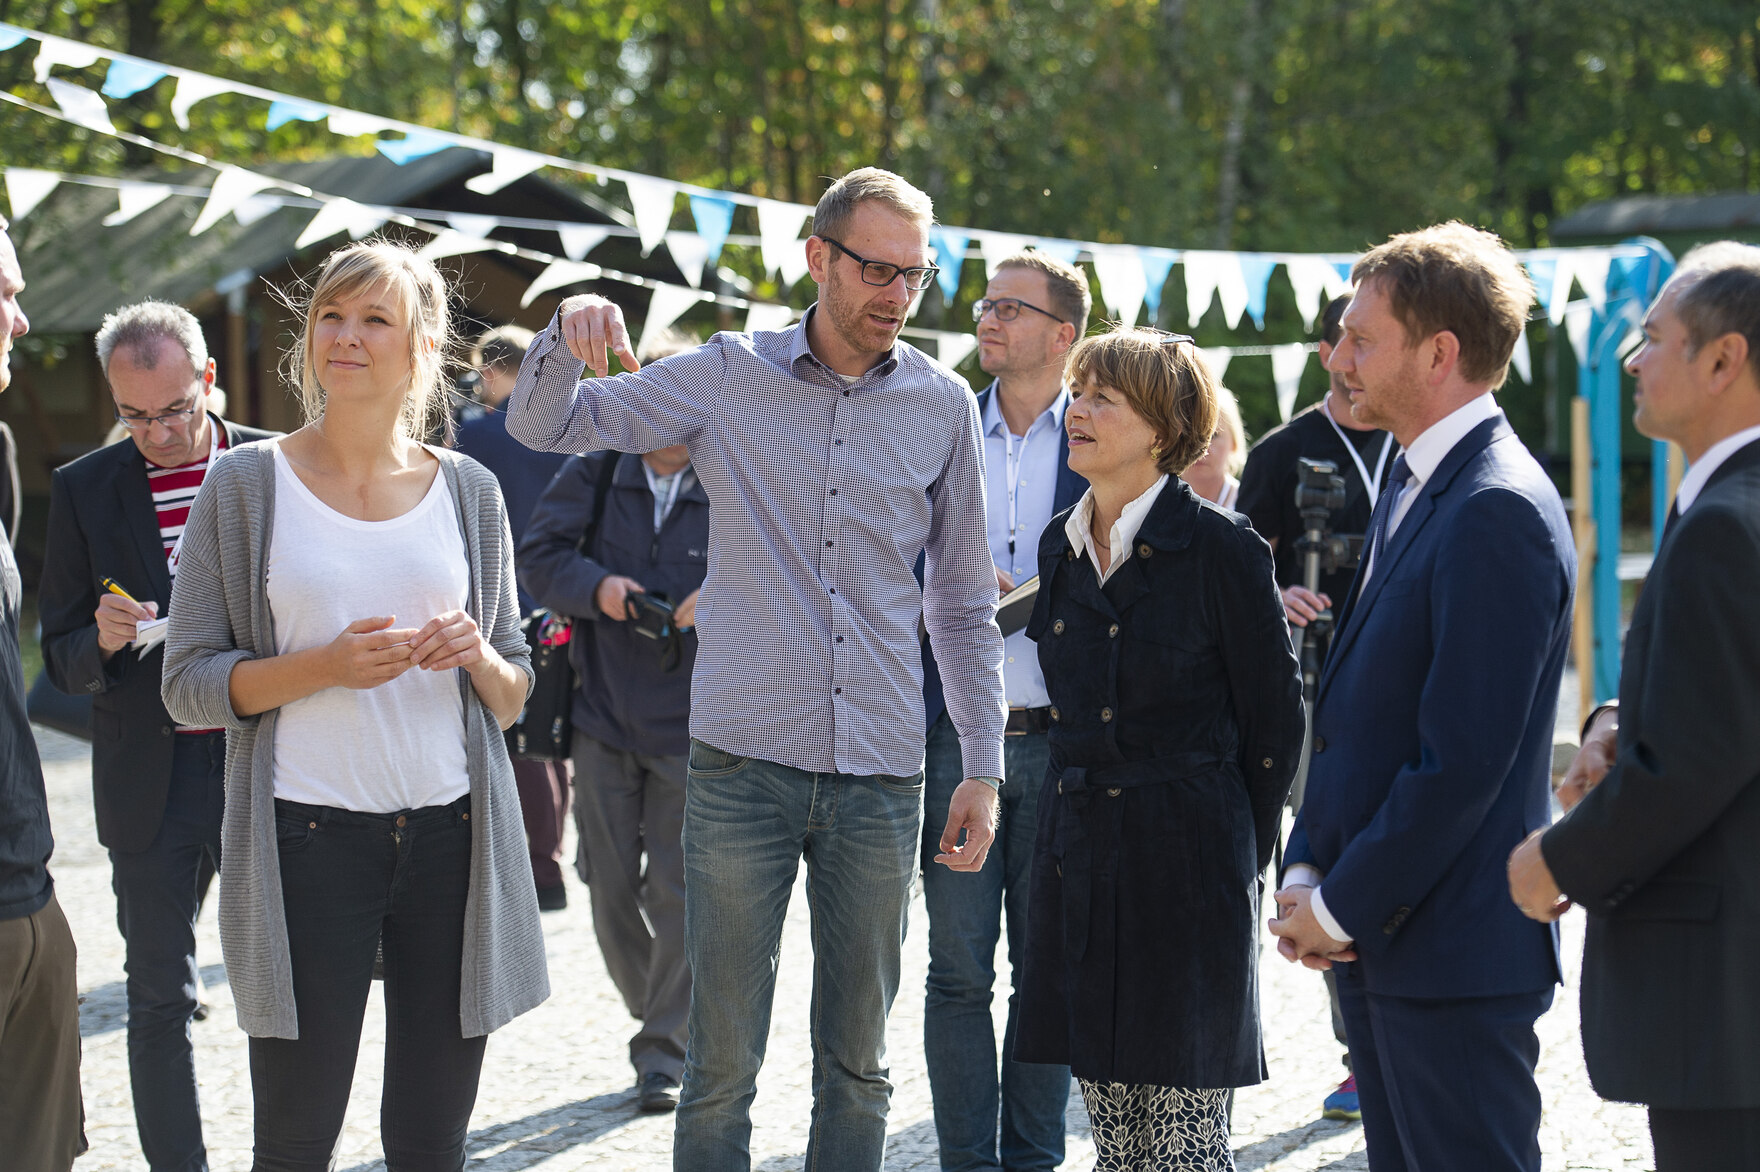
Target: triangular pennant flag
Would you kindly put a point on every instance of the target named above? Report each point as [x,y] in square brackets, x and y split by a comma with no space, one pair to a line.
[192,88]
[951,349]
[126,78]
[690,252]
[470,225]
[11,38]
[764,316]
[1256,276]
[507,165]
[1556,294]
[412,146]
[714,217]
[794,267]
[1590,268]
[651,200]
[26,188]
[353,124]
[1122,283]
[57,51]
[665,307]
[560,273]
[232,186]
[81,105]
[1067,251]
[1157,264]
[1218,357]
[450,243]
[1338,283]
[341,215]
[950,254]
[779,231]
[580,239]
[996,247]
[1309,276]
[1203,270]
[1578,320]
[285,110]
[1287,363]
[255,208]
[134,198]
[1521,360]
[1231,288]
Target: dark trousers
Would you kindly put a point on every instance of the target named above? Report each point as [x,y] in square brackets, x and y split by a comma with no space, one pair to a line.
[1695,1141]
[158,893]
[42,1118]
[543,804]
[349,880]
[1446,1085]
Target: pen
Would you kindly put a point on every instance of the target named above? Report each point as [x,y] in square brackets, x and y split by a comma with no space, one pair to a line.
[112,587]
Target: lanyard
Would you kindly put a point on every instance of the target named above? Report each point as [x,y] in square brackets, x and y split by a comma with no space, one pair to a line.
[1014,480]
[663,508]
[1372,483]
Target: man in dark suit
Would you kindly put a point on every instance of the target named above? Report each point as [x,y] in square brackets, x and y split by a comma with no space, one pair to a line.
[1660,850]
[1433,724]
[1032,312]
[117,513]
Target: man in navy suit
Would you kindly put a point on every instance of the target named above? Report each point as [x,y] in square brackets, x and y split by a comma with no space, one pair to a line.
[1031,314]
[1433,724]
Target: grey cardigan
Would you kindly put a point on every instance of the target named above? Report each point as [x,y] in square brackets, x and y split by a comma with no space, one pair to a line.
[219,616]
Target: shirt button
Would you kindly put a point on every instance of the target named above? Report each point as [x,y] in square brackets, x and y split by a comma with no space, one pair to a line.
[846,394]
[834,492]
[1112,631]
[829,544]
[840,639]
[839,443]
[1057,627]
[1011,659]
[837,691]
[1106,716]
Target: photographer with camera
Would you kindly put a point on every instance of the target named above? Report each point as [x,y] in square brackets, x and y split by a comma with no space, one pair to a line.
[634,594]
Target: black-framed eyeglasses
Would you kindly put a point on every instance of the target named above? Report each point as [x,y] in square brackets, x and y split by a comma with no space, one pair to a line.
[880,273]
[168,418]
[1009,308]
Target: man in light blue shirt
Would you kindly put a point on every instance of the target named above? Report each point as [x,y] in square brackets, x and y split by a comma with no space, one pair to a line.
[1031,314]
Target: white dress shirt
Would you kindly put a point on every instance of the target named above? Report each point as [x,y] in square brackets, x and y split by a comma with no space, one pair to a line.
[1080,527]
[1020,482]
[1693,483]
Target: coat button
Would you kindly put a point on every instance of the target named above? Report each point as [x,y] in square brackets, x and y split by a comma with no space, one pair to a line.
[1057,627]
[1105,716]
[1114,792]
[1112,631]
[1060,870]
[1055,716]
[1144,551]
[1060,786]
[165,730]
[1266,763]
[1069,555]
[1319,744]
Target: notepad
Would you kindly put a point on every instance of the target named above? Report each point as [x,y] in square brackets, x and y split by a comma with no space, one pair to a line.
[149,634]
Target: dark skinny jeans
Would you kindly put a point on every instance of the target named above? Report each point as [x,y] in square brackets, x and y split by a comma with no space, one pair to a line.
[348,880]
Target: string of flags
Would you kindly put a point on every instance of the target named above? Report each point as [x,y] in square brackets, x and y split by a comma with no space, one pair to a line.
[1131,278]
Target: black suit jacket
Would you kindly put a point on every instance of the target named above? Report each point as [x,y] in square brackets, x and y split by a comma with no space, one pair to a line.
[102,524]
[1662,852]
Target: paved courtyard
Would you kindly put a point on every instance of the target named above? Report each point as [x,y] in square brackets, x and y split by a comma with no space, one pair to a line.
[556,1092]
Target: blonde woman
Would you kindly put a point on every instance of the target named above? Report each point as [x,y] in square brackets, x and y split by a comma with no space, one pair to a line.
[1216,475]
[344,606]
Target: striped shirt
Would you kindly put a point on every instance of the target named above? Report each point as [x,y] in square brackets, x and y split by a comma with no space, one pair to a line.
[822,493]
[174,490]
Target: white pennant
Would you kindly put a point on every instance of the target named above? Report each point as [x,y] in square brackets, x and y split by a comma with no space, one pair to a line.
[507,165]
[1309,276]
[26,188]
[779,232]
[255,208]
[81,105]
[1590,268]
[690,252]
[1218,357]
[952,349]
[764,316]
[1287,363]
[998,247]
[1521,360]
[231,187]
[353,124]
[192,88]
[341,215]
[794,267]
[1578,320]
[580,239]
[56,51]
[652,200]
[1557,298]
[134,198]
[1231,288]
[665,307]
[559,274]
[450,243]
[1122,282]
[478,226]
[1339,284]
[1202,272]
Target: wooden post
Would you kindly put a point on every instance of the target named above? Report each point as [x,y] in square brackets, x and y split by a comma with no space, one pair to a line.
[1583,518]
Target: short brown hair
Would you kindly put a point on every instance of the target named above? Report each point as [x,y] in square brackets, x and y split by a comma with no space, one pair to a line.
[1457,278]
[1718,292]
[1164,380]
[1066,287]
[869,184]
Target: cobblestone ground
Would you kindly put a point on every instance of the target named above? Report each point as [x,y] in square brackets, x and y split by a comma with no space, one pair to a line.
[556,1091]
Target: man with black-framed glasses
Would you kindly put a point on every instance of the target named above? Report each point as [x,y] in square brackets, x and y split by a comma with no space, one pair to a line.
[116,514]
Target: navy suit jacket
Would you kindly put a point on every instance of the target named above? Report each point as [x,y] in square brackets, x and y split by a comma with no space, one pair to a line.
[1433,730]
[1070,488]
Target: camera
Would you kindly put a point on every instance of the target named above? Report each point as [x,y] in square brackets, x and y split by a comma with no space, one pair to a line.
[650,615]
[1320,491]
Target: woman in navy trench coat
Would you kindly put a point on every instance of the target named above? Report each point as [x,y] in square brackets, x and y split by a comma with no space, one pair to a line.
[1177,725]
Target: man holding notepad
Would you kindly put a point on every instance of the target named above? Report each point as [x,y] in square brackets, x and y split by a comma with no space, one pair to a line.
[114,519]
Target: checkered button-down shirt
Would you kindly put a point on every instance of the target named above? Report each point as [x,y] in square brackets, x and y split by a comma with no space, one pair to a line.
[822,492]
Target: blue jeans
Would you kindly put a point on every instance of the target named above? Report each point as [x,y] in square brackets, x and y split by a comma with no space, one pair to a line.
[747,825]
[966,914]
[158,893]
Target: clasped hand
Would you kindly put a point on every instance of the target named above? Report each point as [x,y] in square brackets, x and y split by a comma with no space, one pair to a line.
[1300,936]
[370,651]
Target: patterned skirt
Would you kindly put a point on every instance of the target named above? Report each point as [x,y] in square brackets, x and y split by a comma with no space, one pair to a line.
[1158,1129]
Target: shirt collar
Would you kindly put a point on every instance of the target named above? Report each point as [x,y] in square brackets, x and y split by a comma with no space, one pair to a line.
[995,425]
[798,348]
[1079,527]
[1428,451]
[1693,483]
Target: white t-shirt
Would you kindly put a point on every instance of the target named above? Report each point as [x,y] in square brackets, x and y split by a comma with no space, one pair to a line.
[401,745]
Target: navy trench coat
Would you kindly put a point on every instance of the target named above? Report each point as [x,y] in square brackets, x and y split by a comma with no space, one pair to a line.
[1176,730]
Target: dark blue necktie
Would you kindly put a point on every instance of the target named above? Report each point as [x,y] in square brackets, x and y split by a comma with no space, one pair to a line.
[1383,519]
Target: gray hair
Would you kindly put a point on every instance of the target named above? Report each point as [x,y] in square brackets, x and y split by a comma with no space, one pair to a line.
[832,215]
[1717,292]
[137,327]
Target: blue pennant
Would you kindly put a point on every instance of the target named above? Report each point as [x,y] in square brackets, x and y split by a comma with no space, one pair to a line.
[128,78]
[1256,273]
[714,217]
[411,147]
[1157,264]
[950,254]
[283,111]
